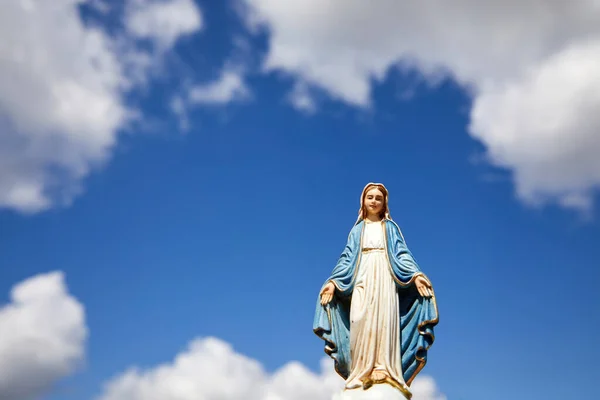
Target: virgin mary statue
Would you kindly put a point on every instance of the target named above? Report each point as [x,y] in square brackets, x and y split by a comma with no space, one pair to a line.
[377,310]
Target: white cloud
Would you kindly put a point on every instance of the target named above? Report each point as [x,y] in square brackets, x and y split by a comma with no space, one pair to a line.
[229,87]
[210,369]
[532,67]
[42,337]
[100,5]
[163,21]
[425,388]
[59,103]
[179,108]
[546,125]
[61,93]
[301,99]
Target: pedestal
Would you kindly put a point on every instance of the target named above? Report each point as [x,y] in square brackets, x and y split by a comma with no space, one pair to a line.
[375,392]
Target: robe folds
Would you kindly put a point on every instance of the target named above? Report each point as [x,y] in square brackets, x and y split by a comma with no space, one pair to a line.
[418,315]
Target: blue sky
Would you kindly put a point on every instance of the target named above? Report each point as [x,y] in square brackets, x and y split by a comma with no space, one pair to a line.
[221,216]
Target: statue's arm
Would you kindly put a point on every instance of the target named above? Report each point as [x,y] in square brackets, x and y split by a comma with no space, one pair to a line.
[405,257]
[405,266]
[342,274]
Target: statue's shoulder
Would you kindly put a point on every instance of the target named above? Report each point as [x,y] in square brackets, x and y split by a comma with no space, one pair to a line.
[358,225]
[392,224]
[356,230]
[393,227]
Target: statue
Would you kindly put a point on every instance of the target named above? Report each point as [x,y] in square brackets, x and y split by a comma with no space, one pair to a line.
[377,310]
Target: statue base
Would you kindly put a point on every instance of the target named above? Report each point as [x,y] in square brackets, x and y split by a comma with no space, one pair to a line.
[375,392]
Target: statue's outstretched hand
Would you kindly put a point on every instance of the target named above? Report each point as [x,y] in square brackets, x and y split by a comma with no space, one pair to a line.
[423,286]
[327,293]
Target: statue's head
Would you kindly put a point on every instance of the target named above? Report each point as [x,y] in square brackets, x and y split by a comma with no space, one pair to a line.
[374,199]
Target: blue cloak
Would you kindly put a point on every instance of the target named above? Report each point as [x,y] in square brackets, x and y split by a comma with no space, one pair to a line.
[418,315]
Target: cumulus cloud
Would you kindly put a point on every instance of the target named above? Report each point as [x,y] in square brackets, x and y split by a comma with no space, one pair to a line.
[229,87]
[164,22]
[62,86]
[59,103]
[210,369]
[301,99]
[42,337]
[546,125]
[531,67]
[179,108]
[425,388]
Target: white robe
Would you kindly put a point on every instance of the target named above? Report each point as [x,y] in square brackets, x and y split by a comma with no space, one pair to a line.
[374,313]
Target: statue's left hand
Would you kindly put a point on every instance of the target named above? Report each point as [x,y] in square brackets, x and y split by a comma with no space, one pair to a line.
[423,286]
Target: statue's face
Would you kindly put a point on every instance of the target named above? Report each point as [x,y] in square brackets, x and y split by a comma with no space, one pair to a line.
[374,201]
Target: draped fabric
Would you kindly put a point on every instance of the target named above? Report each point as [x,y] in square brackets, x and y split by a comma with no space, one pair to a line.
[417,315]
[374,315]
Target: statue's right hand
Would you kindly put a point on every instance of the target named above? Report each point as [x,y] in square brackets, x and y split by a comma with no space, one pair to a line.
[327,293]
